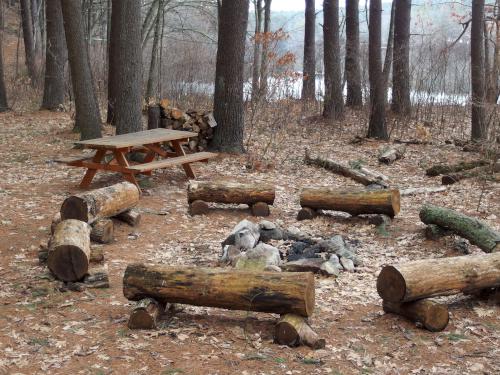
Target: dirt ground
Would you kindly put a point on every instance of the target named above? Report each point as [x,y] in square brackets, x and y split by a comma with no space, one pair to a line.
[43,330]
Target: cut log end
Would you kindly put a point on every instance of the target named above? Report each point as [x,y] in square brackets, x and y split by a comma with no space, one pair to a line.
[145,314]
[75,207]
[293,330]
[391,284]
[396,202]
[260,209]
[68,262]
[198,207]
[306,213]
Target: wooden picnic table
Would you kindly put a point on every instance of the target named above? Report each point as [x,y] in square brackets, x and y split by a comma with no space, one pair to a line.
[111,154]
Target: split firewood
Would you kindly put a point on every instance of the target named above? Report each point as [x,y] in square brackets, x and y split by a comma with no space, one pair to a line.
[422,190]
[355,202]
[145,314]
[486,172]
[102,231]
[431,315]
[132,217]
[97,278]
[100,203]
[69,251]
[477,232]
[230,192]
[440,169]
[343,170]
[293,330]
[272,292]
[437,277]
[392,153]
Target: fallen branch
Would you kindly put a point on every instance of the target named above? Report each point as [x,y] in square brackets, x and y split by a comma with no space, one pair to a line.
[422,190]
[391,154]
[486,172]
[440,169]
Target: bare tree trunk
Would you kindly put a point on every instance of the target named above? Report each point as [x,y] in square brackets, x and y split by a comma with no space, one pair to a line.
[496,63]
[334,101]
[88,117]
[264,67]
[56,56]
[114,34]
[377,127]
[479,128]
[257,49]
[154,52]
[309,65]
[3,92]
[389,48]
[29,43]
[352,65]
[35,21]
[228,97]
[127,68]
[401,59]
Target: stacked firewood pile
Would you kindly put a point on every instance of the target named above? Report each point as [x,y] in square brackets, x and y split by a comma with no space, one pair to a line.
[83,219]
[162,115]
[406,288]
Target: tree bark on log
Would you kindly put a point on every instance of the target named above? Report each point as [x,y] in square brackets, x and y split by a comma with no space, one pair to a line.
[345,171]
[432,315]
[440,169]
[102,231]
[230,192]
[272,292]
[69,251]
[436,277]
[145,314]
[293,330]
[486,171]
[354,202]
[476,231]
[392,154]
[132,217]
[100,203]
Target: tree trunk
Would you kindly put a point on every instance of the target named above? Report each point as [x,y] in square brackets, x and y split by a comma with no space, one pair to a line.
[3,91]
[479,125]
[55,57]
[113,34]
[127,65]
[377,127]
[272,292]
[154,113]
[432,315]
[230,192]
[96,254]
[293,330]
[495,74]
[69,251]
[309,64]
[145,314]
[229,77]
[264,67]
[28,37]
[389,48]
[385,201]
[401,59]
[477,232]
[352,60]
[100,203]
[257,50]
[437,277]
[88,117]
[334,100]
[150,92]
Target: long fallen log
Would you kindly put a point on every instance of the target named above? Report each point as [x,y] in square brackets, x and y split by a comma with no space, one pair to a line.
[355,202]
[100,203]
[432,315]
[69,251]
[392,153]
[436,277]
[486,172]
[440,169]
[293,330]
[230,192]
[476,231]
[343,170]
[272,292]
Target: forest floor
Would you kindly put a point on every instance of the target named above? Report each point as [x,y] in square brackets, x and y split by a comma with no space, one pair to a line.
[44,331]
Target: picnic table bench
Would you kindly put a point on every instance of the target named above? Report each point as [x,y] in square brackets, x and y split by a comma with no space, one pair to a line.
[111,154]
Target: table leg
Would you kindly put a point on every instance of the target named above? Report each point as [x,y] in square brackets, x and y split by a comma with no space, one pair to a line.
[122,160]
[179,151]
[89,175]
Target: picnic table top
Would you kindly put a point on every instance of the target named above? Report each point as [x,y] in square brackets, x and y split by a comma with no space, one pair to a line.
[137,139]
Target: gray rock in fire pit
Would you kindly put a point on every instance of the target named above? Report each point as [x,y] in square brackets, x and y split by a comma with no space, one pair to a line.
[330,268]
[245,235]
[258,258]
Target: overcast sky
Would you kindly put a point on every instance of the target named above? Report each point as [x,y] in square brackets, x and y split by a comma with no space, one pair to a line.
[278,5]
